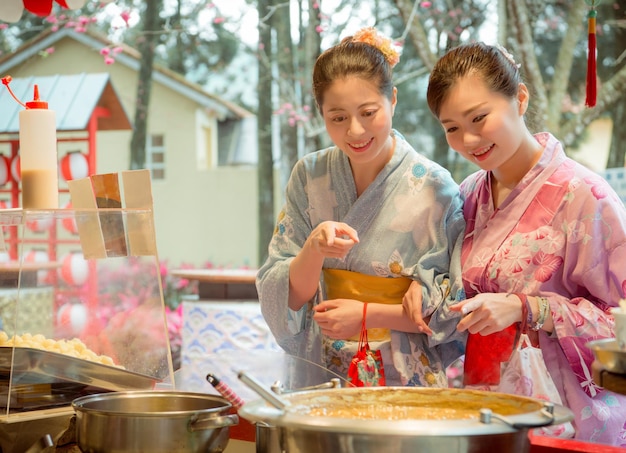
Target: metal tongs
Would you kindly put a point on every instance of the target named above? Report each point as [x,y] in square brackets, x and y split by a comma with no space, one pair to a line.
[277,387]
[271,395]
[265,393]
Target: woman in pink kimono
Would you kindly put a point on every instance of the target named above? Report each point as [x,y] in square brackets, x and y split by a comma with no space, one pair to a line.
[545,242]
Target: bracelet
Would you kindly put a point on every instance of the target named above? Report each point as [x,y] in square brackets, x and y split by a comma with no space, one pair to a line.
[527,314]
[544,308]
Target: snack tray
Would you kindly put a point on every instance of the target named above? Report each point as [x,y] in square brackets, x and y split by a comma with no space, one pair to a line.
[37,366]
[608,353]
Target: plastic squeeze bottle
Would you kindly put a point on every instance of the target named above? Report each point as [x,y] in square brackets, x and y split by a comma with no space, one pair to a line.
[38,155]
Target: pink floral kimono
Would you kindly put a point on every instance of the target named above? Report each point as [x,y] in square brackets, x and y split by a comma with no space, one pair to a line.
[561,234]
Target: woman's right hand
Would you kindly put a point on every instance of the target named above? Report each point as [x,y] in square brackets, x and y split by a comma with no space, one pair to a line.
[327,240]
[333,239]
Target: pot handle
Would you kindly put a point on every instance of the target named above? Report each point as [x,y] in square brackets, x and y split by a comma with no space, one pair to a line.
[43,444]
[222,421]
[547,411]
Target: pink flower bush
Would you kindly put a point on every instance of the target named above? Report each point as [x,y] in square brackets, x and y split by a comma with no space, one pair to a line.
[127,287]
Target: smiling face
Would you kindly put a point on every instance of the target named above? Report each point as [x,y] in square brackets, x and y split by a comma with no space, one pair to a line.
[484,126]
[358,120]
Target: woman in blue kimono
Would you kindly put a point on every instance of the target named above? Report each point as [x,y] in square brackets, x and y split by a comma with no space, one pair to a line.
[362,220]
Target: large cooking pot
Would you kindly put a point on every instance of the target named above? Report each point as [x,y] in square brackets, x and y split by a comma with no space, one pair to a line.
[153,421]
[403,419]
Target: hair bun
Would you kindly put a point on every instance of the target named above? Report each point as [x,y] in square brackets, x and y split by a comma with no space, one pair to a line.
[371,36]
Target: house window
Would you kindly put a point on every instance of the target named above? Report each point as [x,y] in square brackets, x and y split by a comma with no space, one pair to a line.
[155,156]
[227,142]
[237,142]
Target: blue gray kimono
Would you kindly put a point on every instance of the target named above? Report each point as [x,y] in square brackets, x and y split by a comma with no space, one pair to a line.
[410,223]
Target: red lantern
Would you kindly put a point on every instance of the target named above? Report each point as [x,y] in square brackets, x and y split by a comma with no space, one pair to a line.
[16,169]
[74,269]
[69,223]
[72,317]
[5,169]
[39,225]
[74,165]
[38,256]
[11,10]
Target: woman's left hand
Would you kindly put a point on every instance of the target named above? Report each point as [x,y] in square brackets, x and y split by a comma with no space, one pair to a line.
[412,305]
[339,318]
[487,313]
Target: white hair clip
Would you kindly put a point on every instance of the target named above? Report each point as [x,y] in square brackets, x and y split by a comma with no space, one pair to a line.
[508,56]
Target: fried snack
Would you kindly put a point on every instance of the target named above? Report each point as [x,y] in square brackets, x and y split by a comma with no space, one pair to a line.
[73,348]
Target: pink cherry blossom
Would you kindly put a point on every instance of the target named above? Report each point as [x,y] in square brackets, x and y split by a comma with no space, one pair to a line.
[125,15]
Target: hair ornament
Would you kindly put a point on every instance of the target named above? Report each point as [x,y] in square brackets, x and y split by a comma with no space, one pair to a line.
[508,56]
[371,36]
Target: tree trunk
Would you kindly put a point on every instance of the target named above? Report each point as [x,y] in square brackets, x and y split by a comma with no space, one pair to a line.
[618,138]
[265,166]
[312,49]
[288,92]
[146,45]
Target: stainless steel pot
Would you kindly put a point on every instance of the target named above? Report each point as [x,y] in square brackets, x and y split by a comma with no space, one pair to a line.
[384,420]
[153,421]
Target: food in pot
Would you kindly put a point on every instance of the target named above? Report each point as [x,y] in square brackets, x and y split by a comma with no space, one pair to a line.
[399,404]
[74,347]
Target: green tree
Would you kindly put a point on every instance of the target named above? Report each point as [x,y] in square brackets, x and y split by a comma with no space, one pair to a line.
[146,45]
[265,163]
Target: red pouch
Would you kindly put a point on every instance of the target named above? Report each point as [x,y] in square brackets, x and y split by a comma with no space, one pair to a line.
[366,368]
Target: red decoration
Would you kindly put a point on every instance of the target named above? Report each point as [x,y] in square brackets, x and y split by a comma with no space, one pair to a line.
[74,269]
[16,169]
[74,165]
[69,223]
[592,77]
[5,169]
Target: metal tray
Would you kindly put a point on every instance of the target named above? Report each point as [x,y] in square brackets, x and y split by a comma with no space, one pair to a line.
[608,353]
[36,366]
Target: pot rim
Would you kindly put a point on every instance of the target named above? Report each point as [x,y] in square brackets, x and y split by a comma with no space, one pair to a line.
[260,411]
[82,403]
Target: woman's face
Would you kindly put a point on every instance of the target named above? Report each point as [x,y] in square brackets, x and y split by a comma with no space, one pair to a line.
[485,127]
[358,120]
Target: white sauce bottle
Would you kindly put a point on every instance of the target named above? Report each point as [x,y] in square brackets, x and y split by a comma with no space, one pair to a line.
[38,155]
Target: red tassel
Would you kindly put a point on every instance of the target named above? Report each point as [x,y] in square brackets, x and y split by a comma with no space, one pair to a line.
[591,60]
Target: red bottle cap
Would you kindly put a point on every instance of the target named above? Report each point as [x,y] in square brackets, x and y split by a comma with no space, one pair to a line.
[37,103]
